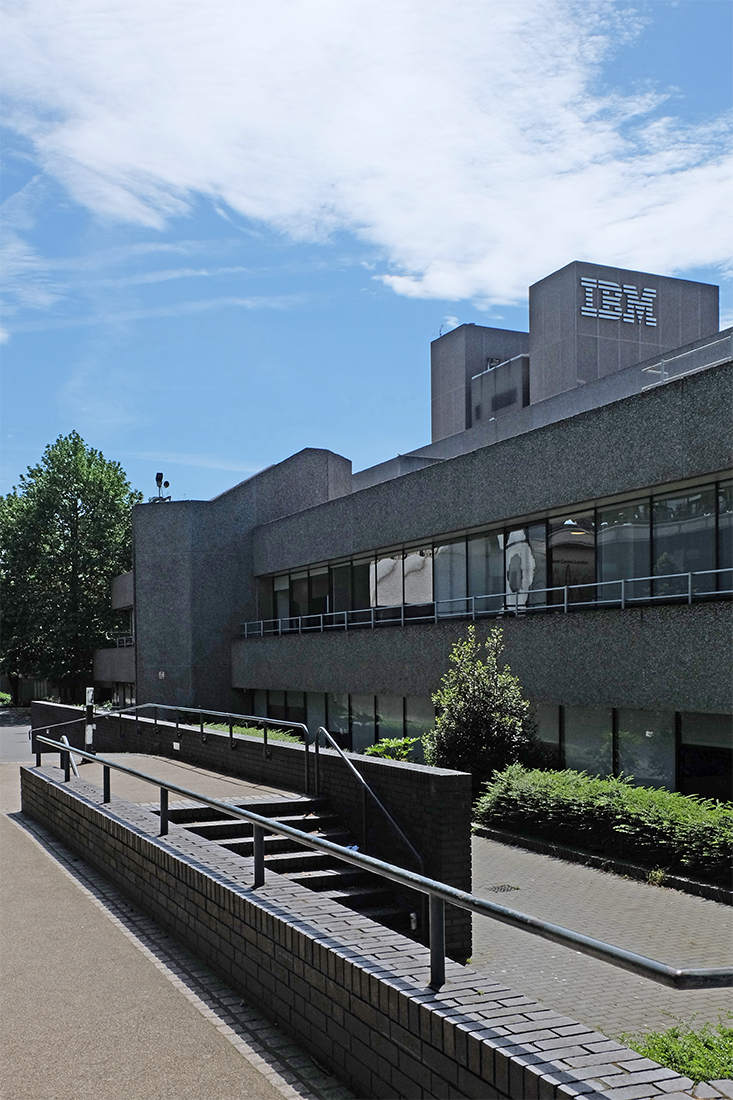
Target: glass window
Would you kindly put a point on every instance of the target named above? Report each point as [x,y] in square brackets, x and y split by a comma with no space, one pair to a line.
[683,540]
[646,747]
[485,554]
[389,580]
[572,549]
[418,571]
[589,740]
[337,708]
[316,712]
[298,594]
[259,703]
[341,587]
[526,572]
[281,596]
[361,579]
[706,755]
[419,718]
[449,577]
[547,717]
[624,543]
[390,716]
[276,706]
[725,534]
[295,706]
[318,602]
[362,722]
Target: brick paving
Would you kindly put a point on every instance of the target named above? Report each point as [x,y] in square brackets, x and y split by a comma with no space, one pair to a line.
[663,924]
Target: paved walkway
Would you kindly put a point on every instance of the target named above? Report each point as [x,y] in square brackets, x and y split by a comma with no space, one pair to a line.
[663,924]
[97,1002]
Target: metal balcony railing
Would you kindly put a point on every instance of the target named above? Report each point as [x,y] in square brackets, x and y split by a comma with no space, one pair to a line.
[669,367]
[688,588]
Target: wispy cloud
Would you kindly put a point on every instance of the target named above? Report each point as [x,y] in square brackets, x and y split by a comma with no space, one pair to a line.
[178,309]
[464,139]
[179,458]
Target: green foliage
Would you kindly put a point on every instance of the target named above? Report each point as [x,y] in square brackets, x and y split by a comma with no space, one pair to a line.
[5,699]
[668,832]
[256,731]
[704,1055]
[483,720]
[393,748]
[65,532]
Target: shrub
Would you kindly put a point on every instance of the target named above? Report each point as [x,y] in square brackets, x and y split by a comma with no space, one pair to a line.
[704,1055]
[5,699]
[393,748]
[256,731]
[483,720]
[663,830]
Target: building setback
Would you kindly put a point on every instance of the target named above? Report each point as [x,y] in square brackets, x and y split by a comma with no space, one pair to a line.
[577,492]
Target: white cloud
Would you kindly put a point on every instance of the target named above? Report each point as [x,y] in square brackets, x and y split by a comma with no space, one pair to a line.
[463,138]
[178,458]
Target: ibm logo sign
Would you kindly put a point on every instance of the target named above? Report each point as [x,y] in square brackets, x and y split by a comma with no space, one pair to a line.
[617,303]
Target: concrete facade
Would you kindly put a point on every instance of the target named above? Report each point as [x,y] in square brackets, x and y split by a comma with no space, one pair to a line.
[618,398]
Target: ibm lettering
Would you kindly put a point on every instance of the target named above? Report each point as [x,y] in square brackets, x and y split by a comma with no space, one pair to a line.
[613,302]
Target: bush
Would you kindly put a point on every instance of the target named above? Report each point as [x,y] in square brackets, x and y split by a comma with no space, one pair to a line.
[678,833]
[393,748]
[5,699]
[483,721]
[704,1055]
[256,731]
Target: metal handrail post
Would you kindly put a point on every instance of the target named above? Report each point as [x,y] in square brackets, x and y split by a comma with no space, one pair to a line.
[367,789]
[264,741]
[231,733]
[437,942]
[258,835]
[106,783]
[155,720]
[689,587]
[317,768]
[364,817]
[623,594]
[201,724]
[678,978]
[307,763]
[163,811]
[565,599]
[69,763]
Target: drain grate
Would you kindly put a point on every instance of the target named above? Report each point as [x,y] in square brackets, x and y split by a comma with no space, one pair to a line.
[502,888]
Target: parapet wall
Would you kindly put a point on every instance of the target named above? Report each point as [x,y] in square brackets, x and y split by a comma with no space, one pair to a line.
[431,805]
[350,991]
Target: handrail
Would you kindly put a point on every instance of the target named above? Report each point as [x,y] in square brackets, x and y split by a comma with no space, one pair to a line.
[72,762]
[438,892]
[511,602]
[367,790]
[229,715]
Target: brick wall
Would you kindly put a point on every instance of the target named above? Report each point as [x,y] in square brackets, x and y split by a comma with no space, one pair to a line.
[350,991]
[431,805]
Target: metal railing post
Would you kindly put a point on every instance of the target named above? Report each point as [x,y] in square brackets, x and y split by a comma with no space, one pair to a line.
[623,594]
[201,725]
[364,817]
[155,720]
[689,587]
[258,834]
[307,762]
[66,757]
[264,741]
[231,732]
[106,773]
[163,811]
[437,942]
[316,768]
[38,760]
[565,599]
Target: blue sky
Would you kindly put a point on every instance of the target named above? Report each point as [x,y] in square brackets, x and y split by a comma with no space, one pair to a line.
[233,229]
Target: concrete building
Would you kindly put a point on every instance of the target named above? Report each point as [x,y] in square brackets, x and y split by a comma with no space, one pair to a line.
[577,491]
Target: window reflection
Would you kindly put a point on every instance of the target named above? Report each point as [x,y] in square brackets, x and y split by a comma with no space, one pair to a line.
[418,570]
[360,581]
[387,573]
[449,578]
[624,543]
[589,740]
[725,534]
[572,549]
[525,565]
[486,571]
[684,540]
[646,747]
[299,594]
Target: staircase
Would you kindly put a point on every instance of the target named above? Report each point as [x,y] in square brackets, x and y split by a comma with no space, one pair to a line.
[358,890]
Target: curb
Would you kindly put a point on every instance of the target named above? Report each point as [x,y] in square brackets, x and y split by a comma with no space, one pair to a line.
[603,863]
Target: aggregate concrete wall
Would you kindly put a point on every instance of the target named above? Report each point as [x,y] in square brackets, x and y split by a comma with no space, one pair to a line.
[676,431]
[431,805]
[659,657]
[352,992]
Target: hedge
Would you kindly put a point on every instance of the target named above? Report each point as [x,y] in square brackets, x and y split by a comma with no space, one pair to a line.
[678,833]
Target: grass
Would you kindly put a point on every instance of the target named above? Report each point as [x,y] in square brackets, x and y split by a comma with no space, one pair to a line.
[256,731]
[704,1055]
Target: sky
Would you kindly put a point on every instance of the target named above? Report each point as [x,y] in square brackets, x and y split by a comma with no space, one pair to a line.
[232,229]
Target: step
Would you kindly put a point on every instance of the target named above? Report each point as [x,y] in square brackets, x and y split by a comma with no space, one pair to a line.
[275,843]
[360,897]
[329,877]
[223,830]
[287,862]
[295,807]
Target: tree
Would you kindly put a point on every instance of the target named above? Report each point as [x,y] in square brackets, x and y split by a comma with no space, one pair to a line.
[483,721]
[64,534]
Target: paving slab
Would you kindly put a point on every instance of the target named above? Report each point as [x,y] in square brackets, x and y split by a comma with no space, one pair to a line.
[662,924]
[96,1001]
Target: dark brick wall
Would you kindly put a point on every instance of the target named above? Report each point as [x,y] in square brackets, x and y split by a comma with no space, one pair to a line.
[431,805]
[350,991]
